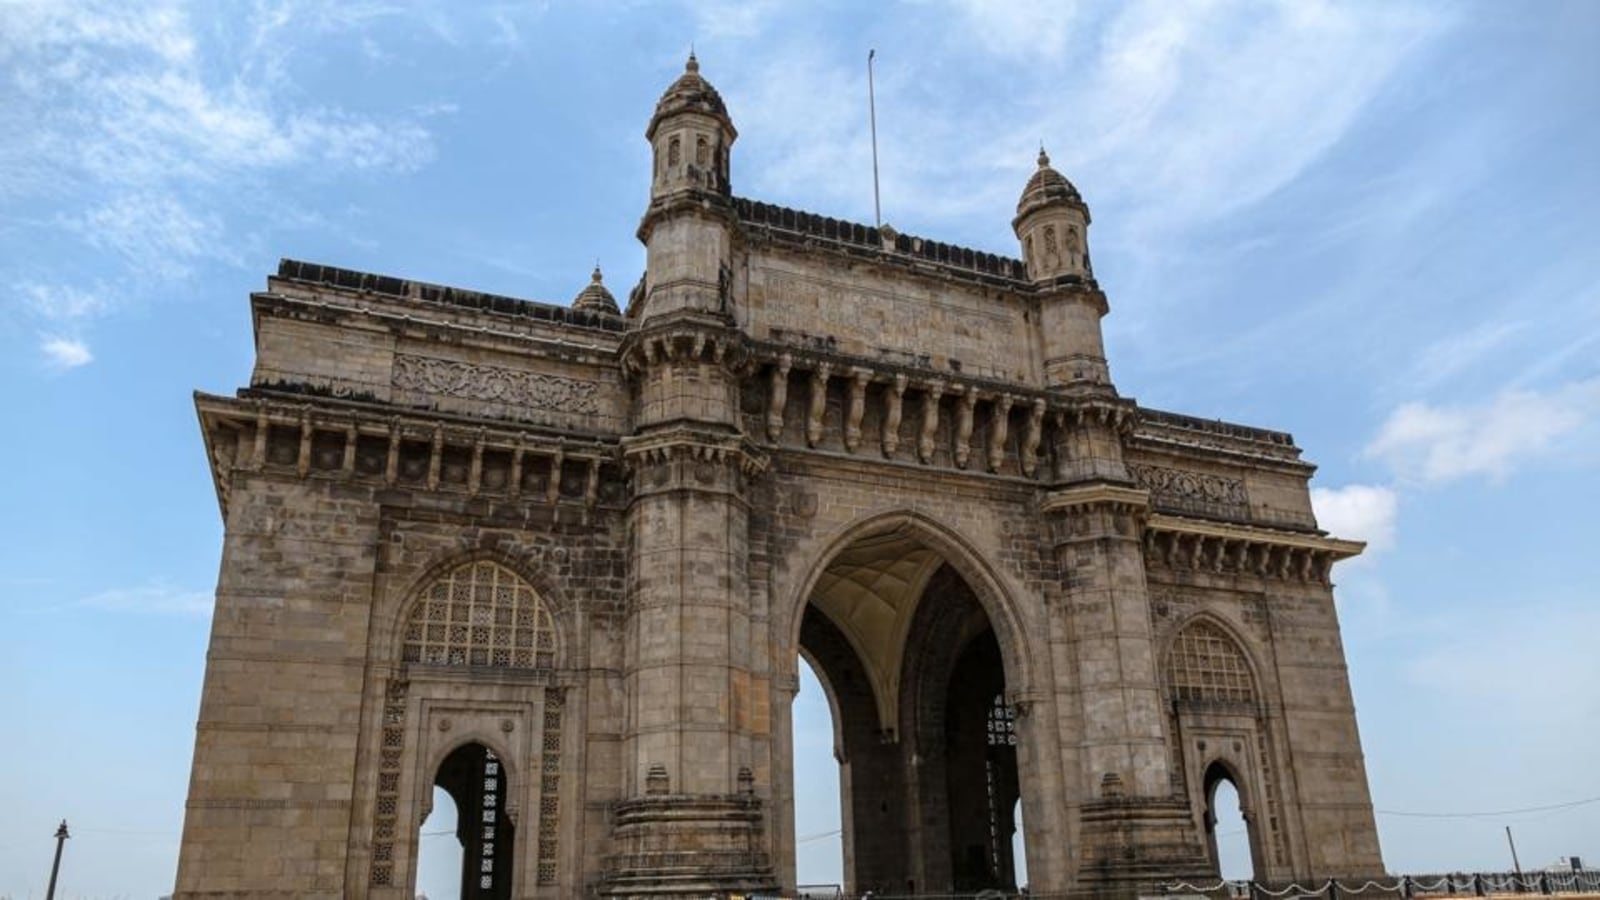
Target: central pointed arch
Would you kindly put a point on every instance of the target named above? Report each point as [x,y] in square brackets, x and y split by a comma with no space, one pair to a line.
[916,532]
[917,640]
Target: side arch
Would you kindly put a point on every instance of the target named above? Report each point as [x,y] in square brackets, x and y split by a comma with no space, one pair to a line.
[999,602]
[1222,729]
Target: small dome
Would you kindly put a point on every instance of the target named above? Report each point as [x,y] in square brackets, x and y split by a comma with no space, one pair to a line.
[594,297]
[1048,187]
[690,93]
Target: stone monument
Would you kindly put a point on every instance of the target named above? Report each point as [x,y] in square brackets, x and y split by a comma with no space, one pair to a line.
[563,562]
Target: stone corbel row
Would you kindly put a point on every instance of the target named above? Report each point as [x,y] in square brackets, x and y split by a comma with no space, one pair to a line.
[1234,550]
[522,449]
[682,342]
[659,451]
[1114,413]
[896,384]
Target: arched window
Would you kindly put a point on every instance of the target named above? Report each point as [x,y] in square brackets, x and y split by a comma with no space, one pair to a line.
[1205,665]
[480,614]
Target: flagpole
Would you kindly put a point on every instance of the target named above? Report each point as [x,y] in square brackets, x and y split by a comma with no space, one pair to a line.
[872,112]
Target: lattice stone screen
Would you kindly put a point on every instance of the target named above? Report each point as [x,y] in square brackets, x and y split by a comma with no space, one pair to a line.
[1205,665]
[480,614]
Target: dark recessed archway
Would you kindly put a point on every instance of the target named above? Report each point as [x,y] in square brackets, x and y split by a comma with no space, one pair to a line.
[916,682]
[476,781]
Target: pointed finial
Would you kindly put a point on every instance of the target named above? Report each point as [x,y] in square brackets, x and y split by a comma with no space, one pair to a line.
[1044,158]
[693,65]
[596,276]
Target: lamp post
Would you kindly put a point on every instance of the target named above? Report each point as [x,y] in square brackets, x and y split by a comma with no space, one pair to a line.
[55,867]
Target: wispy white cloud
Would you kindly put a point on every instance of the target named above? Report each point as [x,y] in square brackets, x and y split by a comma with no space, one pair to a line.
[60,303]
[716,20]
[1036,32]
[122,100]
[155,598]
[1429,443]
[1180,113]
[1362,512]
[145,129]
[154,231]
[1453,354]
[65,353]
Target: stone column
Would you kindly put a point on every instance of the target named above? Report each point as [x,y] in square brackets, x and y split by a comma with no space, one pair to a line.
[695,675]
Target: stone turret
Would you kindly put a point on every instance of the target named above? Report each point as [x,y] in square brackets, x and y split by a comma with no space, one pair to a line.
[691,135]
[1052,223]
[688,225]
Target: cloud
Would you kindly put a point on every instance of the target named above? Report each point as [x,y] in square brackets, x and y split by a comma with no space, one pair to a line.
[155,232]
[62,302]
[1362,512]
[119,110]
[154,598]
[1180,113]
[1451,355]
[1033,31]
[66,353]
[1436,444]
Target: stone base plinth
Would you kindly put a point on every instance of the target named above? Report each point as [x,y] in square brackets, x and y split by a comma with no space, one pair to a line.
[1130,844]
[676,845]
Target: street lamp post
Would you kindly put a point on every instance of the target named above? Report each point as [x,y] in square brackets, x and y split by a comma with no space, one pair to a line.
[55,867]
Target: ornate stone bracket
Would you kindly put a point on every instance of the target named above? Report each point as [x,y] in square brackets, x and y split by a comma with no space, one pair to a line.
[818,405]
[893,400]
[999,423]
[963,446]
[859,378]
[933,390]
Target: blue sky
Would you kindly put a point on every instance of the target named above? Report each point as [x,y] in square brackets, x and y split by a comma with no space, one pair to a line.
[1372,224]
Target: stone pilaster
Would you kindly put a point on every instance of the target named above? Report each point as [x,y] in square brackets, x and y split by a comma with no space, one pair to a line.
[1131,829]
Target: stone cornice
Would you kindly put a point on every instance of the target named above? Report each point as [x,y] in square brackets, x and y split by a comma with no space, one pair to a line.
[322,279]
[1096,495]
[1340,548]
[1220,548]
[546,338]
[695,444]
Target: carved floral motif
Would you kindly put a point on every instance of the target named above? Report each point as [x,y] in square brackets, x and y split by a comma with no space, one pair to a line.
[1180,488]
[491,383]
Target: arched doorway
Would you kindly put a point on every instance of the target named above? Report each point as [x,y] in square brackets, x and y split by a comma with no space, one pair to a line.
[476,781]
[914,669]
[1227,829]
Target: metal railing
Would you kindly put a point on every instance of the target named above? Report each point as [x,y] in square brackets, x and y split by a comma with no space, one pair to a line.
[1458,884]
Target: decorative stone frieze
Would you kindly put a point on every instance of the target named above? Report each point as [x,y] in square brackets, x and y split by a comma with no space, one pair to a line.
[492,383]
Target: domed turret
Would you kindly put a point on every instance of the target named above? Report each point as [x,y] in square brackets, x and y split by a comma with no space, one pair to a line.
[594,297]
[691,135]
[692,93]
[1052,223]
